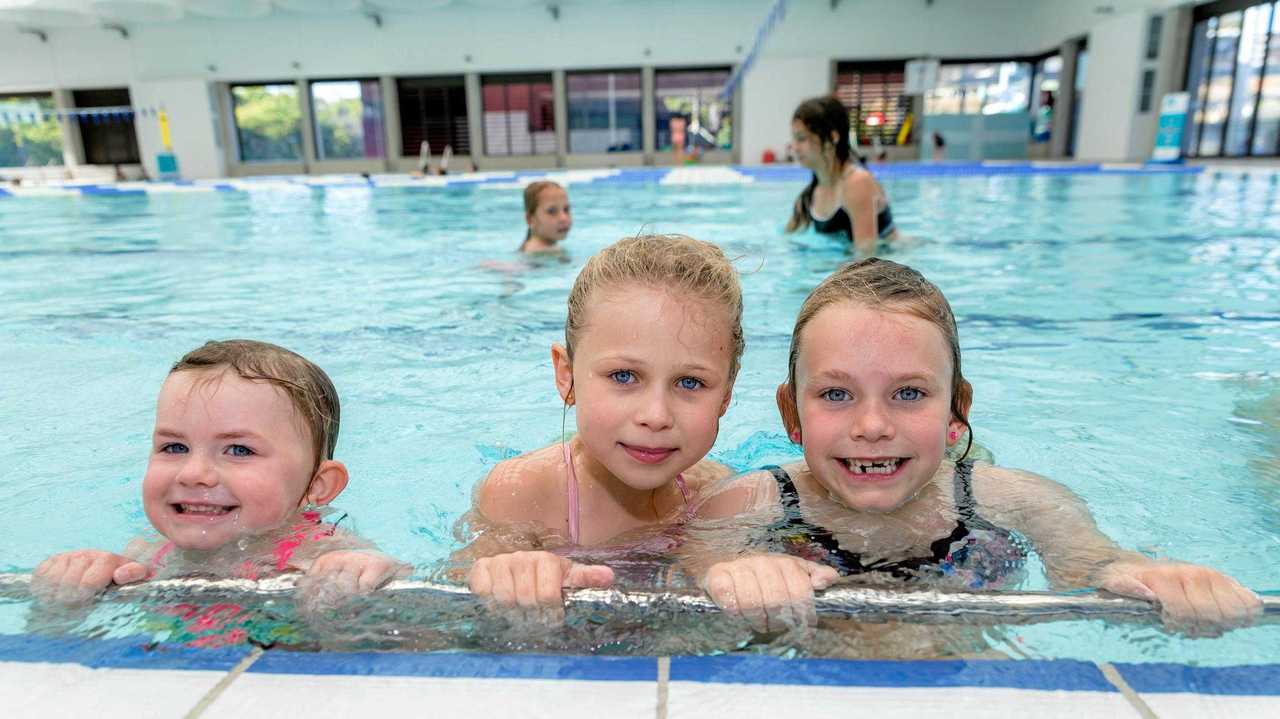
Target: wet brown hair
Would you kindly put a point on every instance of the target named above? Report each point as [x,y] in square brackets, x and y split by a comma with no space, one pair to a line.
[308,388]
[531,192]
[670,262]
[888,286]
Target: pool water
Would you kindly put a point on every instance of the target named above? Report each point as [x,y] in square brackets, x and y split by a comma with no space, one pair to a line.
[1121,334]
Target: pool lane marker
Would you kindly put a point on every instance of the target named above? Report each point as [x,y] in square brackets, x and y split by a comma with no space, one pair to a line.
[209,698]
[1113,676]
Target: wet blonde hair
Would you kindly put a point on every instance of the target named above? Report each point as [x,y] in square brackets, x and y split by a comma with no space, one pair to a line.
[671,262]
[308,388]
[888,286]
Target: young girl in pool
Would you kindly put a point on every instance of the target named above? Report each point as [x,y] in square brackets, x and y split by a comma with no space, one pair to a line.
[652,345]
[843,198]
[875,395]
[546,211]
[241,468]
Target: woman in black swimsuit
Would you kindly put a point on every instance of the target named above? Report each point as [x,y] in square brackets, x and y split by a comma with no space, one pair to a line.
[843,196]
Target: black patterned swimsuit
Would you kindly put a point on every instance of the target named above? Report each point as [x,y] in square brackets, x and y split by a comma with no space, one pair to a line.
[976,554]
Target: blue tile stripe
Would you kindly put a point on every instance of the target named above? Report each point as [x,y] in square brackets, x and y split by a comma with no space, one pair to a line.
[1049,675]
[126,653]
[1060,675]
[480,666]
[1259,680]
[630,175]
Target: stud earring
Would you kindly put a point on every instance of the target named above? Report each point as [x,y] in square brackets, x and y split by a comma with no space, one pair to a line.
[795,436]
[953,436]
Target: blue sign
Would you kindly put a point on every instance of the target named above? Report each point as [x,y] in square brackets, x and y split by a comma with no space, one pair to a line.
[1173,119]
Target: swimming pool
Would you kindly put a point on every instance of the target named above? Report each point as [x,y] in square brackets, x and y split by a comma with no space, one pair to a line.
[1120,331]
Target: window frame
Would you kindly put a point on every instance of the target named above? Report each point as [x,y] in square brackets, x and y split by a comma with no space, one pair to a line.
[506,80]
[299,97]
[568,104]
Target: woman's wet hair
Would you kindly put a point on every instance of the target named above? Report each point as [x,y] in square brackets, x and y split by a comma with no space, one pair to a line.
[887,286]
[308,388]
[676,263]
[822,116]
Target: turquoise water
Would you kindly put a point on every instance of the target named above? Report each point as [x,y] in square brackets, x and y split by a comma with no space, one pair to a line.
[1121,334]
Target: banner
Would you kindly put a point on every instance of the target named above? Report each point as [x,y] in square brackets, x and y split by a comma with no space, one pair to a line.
[1173,120]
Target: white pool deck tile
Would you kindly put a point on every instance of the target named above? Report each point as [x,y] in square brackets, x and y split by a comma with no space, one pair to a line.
[690,700]
[281,695]
[43,677]
[41,689]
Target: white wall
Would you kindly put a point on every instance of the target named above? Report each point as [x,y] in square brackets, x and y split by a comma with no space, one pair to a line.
[192,126]
[769,94]
[1111,84]
[167,61]
[663,32]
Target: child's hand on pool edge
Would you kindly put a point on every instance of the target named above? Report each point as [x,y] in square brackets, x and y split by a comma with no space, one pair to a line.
[770,591]
[533,580]
[76,577]
[1195,600]
[354,571]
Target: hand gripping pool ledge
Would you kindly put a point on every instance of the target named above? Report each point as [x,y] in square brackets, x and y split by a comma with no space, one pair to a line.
[857,603]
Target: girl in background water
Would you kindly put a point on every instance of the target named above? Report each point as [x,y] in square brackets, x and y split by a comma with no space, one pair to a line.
[546,211]
[843,197]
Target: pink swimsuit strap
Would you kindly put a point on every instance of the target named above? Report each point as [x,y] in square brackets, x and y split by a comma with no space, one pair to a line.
[309,529]
[573,494]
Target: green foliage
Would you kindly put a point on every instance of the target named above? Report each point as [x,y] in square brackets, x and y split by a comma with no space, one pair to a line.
[341,126]
[23,142]
[267,123]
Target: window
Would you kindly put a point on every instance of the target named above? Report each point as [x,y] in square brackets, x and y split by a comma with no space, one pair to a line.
[434,110]
[1148,89]
[1218,94]
[1250,53]
[108,137]
[986,88]
[1155,24]
[1267,122]
[29,131]
[268,122]
[604,111]
[1197,83]
[1045,85]
[872,92]
[347,117]
[693,95]
[519,115]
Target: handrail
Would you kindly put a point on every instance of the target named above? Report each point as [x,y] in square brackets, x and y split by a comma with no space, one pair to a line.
[859,603]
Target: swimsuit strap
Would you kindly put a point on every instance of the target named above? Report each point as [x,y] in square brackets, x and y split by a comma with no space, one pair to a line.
[966,506]
[573,494]
[157,561]
[684,492]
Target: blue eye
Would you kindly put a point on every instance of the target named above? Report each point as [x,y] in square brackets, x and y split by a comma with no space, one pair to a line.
[623,376]
[174,448]
[239,450]
[691,383]
[835,395]
[910,394]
